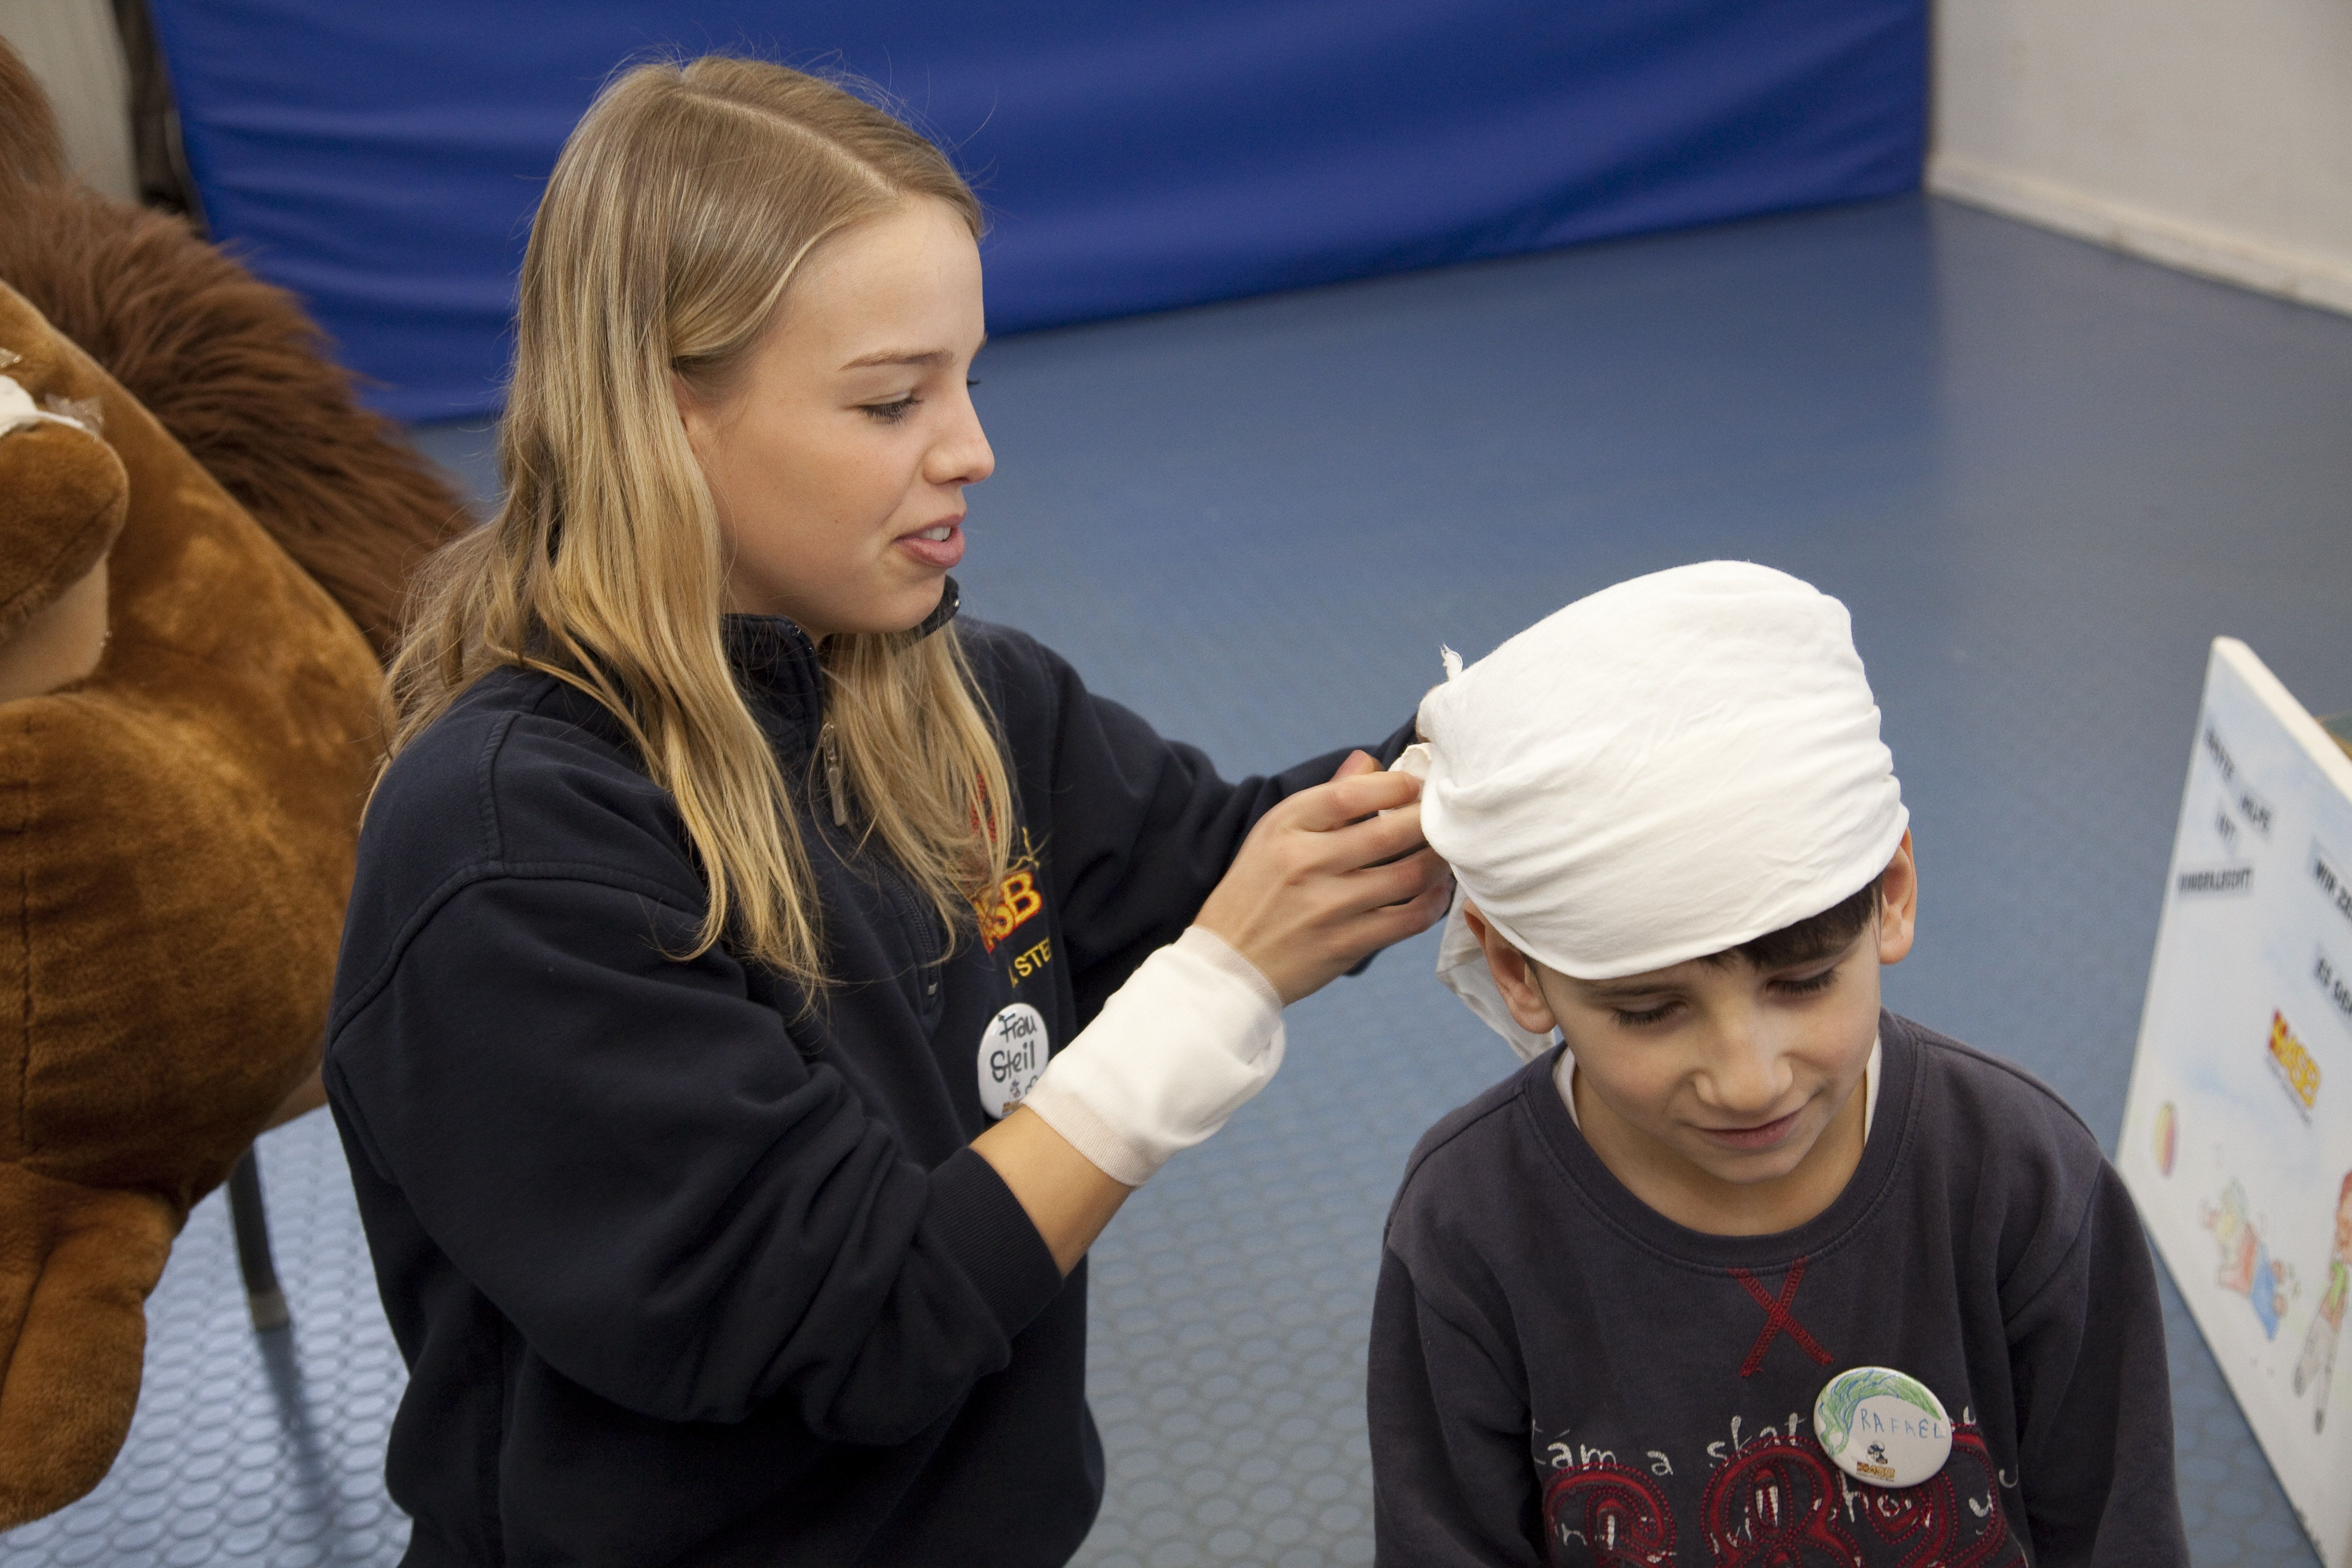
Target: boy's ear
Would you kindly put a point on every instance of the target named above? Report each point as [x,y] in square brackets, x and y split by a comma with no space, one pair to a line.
[1514,972]
[1898,903]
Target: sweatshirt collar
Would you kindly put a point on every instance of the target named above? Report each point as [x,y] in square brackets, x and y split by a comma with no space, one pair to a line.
[773,657]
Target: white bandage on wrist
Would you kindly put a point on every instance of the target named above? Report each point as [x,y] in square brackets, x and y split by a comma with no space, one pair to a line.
[1191,1036]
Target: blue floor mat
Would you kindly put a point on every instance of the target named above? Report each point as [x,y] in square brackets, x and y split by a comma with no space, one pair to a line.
[2041,474]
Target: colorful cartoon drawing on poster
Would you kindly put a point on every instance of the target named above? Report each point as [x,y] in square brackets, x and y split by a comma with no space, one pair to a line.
[2317,1365]
[2167,1137]
[2246,1266]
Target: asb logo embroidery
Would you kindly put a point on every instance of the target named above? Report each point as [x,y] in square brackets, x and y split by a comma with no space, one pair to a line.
[1012,1050]
[1014,902]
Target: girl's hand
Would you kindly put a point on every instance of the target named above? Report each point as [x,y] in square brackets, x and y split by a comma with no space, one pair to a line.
[1325,879]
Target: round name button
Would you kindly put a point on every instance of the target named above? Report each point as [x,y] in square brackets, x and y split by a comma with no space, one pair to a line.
[1883,1426]
[1013,1051]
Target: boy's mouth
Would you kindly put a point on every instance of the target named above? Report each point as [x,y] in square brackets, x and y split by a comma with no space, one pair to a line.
[1764,1135]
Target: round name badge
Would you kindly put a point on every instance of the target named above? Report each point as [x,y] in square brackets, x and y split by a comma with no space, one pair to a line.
[1881,1426]
[1012,1054]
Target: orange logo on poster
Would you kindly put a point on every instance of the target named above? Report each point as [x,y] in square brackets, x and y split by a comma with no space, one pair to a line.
[2293,1061]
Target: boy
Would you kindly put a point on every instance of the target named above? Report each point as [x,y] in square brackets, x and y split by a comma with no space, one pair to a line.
[1620,1288]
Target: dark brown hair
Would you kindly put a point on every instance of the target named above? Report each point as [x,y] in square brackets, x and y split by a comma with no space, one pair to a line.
[1816,936]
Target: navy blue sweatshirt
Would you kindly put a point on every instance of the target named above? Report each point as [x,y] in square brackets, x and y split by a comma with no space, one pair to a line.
[1559,1374]
[684,1271]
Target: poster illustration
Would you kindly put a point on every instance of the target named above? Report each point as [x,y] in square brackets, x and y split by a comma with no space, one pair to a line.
[2237,1138]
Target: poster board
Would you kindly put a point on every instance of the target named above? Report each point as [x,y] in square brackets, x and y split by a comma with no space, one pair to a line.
[2236,1137]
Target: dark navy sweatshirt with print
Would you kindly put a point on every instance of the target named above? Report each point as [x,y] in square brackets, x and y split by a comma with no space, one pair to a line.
[1561,1375]
[684,1270]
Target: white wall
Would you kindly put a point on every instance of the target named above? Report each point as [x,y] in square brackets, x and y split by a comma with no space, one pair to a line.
[2214,135]
[72,47]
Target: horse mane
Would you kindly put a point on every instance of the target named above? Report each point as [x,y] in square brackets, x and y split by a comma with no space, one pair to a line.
[232,366]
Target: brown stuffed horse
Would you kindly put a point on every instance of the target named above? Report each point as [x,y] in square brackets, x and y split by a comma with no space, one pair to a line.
[190,550]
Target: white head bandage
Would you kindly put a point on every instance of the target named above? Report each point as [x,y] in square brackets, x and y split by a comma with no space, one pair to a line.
[1664,770]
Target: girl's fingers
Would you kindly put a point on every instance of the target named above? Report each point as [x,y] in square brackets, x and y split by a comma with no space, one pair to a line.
[1325,879]
[1349,796]
[1376,838]
[1398,882]
[1394,922]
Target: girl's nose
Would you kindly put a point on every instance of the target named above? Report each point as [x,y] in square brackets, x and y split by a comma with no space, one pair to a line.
[962,455]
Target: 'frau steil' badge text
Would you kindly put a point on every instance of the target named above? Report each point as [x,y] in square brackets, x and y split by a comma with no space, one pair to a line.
[1012,1050]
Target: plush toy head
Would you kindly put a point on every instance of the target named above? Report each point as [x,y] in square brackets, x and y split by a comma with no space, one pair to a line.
[228,363]
[68,495]
[180,823]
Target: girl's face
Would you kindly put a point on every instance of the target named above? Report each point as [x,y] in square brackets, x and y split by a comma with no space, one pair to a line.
[838,460]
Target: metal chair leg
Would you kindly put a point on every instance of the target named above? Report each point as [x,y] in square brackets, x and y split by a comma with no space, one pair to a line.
[262,1295]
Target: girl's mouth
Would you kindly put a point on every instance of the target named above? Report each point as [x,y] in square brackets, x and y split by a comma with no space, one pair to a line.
[940,546]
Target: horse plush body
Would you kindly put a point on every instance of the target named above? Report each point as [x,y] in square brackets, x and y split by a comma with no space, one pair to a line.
[205,543]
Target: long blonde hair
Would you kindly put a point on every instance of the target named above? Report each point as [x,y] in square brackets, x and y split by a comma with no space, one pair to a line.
[682,205]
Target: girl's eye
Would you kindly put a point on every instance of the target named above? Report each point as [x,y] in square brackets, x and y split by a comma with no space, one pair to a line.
[1810,983]
[1647,1016]
[891,413]
[971,381]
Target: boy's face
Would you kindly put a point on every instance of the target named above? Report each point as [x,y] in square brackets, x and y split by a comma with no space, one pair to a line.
[1720,1072]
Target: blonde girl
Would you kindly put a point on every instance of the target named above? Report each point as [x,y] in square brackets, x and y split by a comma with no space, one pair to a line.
[759,986]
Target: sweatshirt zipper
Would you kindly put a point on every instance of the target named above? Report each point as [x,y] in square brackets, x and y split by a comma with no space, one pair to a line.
[829,747]
[912,912]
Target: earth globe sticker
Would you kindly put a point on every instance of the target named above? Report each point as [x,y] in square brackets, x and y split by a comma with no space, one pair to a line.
[1881,1427]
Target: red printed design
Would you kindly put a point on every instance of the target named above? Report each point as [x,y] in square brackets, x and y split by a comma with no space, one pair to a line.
[1952,1519]
[1777,1502]
[1775,1505]
[1618,1514]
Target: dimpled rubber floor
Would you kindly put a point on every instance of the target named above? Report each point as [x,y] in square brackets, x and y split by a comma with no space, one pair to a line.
[2041,474]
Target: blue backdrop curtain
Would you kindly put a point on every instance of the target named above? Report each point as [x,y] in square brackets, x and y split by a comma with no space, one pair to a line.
[382,160]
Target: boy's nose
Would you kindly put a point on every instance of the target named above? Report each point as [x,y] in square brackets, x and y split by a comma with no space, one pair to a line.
[1743,1080]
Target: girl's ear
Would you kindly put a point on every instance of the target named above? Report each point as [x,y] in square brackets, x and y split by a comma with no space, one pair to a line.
[690,412]
[1515,976]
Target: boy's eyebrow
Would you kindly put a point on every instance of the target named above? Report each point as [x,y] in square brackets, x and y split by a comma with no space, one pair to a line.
[1632,985]
[1815,947]
[1806,947]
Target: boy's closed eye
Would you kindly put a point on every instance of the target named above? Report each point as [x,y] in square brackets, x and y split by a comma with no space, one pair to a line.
[1809,984]
[1642,1011]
